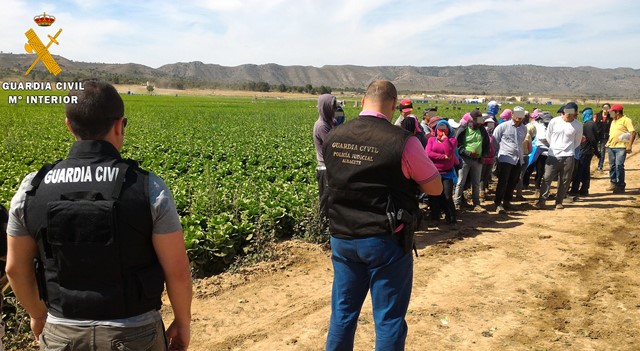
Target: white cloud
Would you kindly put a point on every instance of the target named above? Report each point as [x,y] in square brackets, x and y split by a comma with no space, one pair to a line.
[334,32]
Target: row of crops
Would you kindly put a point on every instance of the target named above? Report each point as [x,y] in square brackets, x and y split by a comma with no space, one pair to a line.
[240,171]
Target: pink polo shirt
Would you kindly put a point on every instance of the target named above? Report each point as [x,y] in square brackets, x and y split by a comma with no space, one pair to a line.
[416,164]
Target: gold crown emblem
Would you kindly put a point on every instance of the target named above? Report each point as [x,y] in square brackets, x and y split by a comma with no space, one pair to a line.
[44,20]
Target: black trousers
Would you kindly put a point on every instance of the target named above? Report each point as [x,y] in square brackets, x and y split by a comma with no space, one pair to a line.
[443,202]
[508,176]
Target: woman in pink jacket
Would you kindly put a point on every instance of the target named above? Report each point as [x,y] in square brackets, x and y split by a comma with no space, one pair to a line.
[441,149]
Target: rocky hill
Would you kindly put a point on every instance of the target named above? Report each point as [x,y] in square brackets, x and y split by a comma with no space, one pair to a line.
[477,79]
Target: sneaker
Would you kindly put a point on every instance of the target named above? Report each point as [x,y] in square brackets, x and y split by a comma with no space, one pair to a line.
[478,208]
[612,186]
[508,206]
[500,210]
[519,197]
[569,199]
[559,207]
[618,190]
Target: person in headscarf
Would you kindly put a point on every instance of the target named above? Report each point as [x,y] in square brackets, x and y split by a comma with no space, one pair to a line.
[540,149]
[505,116]
[432,126]
[588,148]
[339,116]
[473,144]
[465,119]
[327,105]
[441,149]
[603,124]
[489,160]
[493,108]
[410,123]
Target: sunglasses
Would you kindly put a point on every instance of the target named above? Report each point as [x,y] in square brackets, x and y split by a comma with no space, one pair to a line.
[124,122]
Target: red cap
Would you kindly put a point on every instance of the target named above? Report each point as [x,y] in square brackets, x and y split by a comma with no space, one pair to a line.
[406,105]
[616,107]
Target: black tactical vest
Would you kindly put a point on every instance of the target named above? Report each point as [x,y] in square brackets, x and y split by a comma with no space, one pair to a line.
[91,217]
[364,172]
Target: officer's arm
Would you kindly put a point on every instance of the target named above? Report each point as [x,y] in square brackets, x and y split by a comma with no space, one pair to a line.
[417,166]
[432,187]
[21,251]
[175,264]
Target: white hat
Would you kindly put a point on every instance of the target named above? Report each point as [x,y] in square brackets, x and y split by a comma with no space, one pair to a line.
[453,123]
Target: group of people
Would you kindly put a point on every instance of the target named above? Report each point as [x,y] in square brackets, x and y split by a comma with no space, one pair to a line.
[433,161]
[516,144]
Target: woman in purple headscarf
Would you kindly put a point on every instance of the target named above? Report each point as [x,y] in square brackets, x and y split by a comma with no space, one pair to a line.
[441,150]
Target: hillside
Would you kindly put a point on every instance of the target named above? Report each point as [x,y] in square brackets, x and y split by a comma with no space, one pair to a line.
[478,79]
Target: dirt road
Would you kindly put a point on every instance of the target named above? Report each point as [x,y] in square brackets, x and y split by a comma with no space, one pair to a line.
[530,280]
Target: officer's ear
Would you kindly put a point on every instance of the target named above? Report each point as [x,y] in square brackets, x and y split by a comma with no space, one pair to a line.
[68,123]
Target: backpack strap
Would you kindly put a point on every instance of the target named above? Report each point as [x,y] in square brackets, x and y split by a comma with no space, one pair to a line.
[122,173]
[37,179]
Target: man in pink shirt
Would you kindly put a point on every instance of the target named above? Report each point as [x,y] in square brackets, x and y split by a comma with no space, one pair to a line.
[374,172]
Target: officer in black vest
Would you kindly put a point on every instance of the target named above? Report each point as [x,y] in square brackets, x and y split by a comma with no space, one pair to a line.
[375,171]
[93,238]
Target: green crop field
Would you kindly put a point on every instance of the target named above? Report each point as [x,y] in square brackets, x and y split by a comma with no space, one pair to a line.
[237,169]
[240,171]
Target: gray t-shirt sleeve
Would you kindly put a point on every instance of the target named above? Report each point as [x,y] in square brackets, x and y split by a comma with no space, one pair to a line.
[17,225]
[163,208]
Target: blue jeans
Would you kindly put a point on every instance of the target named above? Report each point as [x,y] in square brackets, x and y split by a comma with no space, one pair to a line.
[616,162]
[603,148]
[374,263]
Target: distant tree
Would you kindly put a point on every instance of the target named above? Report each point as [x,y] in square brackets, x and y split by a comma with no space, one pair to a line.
[308,88]
[324,90]
[262,86]
[150,88]
[282,88]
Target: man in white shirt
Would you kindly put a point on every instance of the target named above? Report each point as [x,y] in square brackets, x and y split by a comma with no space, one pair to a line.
[405,107]
[564,135]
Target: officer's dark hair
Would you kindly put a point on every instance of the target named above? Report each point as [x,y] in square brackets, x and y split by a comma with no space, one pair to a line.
[98,107]
[381,90]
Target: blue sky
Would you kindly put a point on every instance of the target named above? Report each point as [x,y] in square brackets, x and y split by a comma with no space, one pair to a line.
[571,33]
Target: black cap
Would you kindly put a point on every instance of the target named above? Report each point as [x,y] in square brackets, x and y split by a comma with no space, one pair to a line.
[572,105]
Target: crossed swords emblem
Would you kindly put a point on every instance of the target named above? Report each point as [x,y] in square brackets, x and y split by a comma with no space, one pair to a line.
[35,44]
